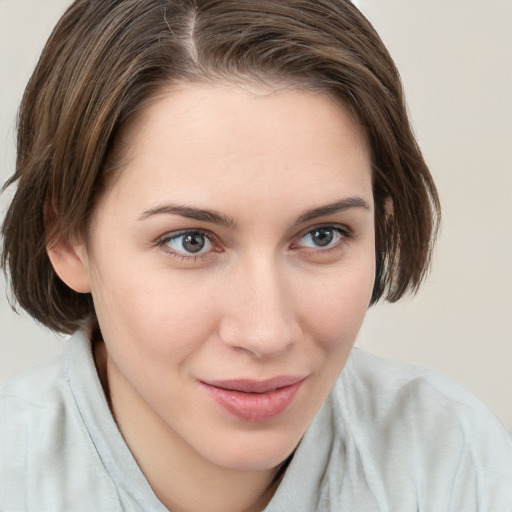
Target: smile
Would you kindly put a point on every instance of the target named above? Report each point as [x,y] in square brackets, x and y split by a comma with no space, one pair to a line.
[254,400]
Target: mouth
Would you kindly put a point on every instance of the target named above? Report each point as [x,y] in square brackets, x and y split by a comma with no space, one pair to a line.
[252,400]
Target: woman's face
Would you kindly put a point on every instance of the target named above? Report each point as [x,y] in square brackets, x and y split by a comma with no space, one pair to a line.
[231,266]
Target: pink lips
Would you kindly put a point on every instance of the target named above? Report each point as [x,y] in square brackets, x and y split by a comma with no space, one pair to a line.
[254,400]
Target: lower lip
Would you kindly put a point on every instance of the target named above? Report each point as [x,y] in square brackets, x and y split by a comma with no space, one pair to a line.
[254,406]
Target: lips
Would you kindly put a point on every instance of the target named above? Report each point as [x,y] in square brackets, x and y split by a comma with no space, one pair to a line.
[252,400]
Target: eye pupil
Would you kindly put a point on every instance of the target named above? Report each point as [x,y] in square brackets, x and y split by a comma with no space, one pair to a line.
[193,242]
[323,237]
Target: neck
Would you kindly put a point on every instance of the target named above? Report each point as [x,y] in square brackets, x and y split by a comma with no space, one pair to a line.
[181,479]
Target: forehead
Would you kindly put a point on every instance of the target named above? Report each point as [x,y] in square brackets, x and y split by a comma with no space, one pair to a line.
[191,139]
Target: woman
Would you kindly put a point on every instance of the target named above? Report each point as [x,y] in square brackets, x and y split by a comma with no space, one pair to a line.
[209,196]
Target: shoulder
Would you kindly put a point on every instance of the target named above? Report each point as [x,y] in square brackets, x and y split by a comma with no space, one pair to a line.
[44,445]
[40,393]
[420,435]
[37,383]
[34,396]
[402,385]
[34,406]
[414,401]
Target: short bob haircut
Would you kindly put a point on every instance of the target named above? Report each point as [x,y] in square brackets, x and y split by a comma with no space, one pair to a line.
[106,58]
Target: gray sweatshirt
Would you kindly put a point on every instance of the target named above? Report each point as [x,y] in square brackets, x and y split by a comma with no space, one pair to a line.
[390,437]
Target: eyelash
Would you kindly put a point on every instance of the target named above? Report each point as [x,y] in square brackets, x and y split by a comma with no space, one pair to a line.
[343,231]
[162,243]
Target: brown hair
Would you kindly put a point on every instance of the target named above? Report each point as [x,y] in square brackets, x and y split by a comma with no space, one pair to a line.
[106,58]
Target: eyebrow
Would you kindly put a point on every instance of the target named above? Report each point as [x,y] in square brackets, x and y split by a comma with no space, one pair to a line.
[215,217]
[337,207]
[191,213]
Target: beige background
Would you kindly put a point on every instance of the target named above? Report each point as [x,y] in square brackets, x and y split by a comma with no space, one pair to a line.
[455,57]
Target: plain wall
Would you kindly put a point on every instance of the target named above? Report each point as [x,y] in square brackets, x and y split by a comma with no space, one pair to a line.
[455,57]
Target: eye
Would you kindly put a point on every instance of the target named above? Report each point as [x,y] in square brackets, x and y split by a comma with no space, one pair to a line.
[324,237]
[188,243]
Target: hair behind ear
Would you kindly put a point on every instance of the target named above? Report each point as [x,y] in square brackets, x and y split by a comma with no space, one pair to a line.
[30,272]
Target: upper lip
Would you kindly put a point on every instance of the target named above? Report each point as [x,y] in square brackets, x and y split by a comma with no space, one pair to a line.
[256,386]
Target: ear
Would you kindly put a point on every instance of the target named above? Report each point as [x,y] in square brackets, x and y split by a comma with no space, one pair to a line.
[69,260]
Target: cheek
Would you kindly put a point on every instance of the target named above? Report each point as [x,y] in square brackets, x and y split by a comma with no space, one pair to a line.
[155,311]
[335,307]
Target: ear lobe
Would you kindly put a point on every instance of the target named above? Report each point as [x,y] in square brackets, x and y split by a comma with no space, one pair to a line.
[70,263]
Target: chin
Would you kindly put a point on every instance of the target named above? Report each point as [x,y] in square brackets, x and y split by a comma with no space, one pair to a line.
[255,455]
[256,463]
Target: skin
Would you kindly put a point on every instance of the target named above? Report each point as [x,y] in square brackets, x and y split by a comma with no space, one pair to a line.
[261,299]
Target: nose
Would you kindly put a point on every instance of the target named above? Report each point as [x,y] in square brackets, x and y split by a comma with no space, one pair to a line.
[259,316]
